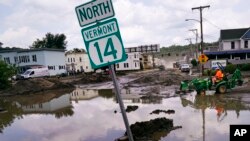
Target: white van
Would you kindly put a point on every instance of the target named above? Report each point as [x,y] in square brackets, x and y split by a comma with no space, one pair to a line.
[38,72]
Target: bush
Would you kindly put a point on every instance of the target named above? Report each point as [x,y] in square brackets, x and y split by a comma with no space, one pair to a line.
[209,72]
[230,68]
[6,72]
[194,62]
[245,67]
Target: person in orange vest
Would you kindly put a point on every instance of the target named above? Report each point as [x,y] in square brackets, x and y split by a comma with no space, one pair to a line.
[218,75]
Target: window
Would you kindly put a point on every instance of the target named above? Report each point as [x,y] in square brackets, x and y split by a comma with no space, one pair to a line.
[51,67]
[74,59]
[135,65]
[7,60]
[71,59]
[117,65]
[232,45]
[16,59]
[32,73]
[125,65]
[246,44]
[34,58]
[135,55]
[40,105]
[61,67]
[80,59]
[24,59]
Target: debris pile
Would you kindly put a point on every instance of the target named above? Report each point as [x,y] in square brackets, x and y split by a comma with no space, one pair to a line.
[131,108]
[152,130]
[35,85]
[93,78]
[158,111]
[166,78]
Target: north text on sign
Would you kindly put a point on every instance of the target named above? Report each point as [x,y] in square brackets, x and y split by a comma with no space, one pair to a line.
[94,11]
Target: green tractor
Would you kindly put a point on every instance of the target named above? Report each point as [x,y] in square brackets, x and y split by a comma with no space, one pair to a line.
[203,85]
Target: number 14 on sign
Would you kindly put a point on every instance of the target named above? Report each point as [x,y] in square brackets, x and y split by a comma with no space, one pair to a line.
[104,44]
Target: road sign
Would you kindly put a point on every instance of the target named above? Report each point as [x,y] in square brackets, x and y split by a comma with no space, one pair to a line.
[104,44]
[203,58]
[94,11]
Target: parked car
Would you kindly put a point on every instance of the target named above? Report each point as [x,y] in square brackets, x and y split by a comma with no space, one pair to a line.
[38,72]
[185,67]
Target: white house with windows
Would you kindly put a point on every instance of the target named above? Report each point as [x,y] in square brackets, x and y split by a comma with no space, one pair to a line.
[132,62]
[77,62]
[54,59]
[234,46]
[235,39]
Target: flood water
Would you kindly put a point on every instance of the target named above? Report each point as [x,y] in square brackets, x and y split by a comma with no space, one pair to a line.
[89,115]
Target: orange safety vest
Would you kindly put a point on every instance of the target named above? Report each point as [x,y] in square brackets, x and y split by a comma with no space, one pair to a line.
[219,75]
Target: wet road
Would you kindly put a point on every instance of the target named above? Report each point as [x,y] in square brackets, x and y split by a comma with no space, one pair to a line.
[88,115]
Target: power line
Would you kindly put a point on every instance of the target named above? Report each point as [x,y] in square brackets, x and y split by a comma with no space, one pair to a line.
[212,23]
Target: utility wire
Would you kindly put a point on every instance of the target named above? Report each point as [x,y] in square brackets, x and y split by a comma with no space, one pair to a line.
[212,23]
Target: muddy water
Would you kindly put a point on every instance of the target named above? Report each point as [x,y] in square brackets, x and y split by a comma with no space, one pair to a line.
[94,115]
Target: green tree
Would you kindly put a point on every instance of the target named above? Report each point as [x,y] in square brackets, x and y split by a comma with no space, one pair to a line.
[57,41]
[194,62]
[6,71]
[1,44]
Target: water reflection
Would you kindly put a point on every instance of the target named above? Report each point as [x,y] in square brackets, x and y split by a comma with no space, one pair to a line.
[88,115]
[221,104]
[130,95]
[88,94]
[11,111]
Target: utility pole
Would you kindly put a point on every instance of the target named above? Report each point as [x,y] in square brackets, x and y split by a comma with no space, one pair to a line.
[195,31]
[201,8]
[190,42]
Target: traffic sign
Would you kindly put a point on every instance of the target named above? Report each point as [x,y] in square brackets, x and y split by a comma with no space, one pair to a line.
[104,44]
[203,58]
[94,11]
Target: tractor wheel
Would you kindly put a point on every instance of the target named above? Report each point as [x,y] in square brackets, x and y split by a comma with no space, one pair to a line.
[221,89]
[240,82]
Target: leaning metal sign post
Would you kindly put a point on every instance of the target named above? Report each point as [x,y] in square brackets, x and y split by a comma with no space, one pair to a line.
[103,42]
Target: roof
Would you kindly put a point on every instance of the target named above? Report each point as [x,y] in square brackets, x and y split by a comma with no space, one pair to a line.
[227,52]
[228,34]
[31,50]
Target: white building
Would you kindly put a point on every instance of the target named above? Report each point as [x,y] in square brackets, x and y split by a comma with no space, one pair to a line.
[78,62]
[132,62]
[54,59]
[235,39]
[234,46]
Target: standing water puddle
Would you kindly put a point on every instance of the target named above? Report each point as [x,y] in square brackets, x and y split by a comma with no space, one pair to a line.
[94,115]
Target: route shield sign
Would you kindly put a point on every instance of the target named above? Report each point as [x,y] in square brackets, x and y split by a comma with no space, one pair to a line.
[104,44]
[94,11]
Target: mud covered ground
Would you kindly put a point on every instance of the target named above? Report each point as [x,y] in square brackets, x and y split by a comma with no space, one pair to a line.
[36,85]
[141,82]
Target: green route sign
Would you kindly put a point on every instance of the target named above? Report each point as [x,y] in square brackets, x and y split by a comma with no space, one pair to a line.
[94,11]
[104,43]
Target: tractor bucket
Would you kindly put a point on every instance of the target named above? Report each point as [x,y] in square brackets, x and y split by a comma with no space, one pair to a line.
[184,85]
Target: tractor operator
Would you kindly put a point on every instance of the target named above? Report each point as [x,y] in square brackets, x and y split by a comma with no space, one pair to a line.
[218,75]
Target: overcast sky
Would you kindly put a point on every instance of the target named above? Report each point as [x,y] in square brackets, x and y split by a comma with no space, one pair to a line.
[141,22]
